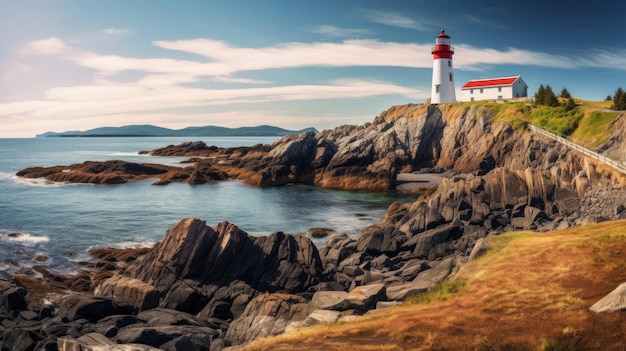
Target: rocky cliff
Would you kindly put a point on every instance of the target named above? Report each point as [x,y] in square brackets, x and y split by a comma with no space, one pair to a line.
[214,287]
[615,146]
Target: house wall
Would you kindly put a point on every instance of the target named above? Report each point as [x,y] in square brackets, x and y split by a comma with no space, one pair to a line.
[518,89]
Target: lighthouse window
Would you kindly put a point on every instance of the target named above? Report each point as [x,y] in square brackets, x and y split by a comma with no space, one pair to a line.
[437,88]
[450,75]
[449,63]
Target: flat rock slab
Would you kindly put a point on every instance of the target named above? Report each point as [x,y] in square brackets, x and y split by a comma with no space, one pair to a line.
[613,302]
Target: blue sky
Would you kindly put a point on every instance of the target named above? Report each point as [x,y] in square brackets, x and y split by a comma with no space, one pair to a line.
[77,64]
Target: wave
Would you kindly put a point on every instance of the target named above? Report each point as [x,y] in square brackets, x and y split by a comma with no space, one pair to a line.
[23,237]
[43,182]
[134,244]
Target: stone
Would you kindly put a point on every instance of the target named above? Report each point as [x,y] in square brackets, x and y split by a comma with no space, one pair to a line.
[97,342]
[192,257]
[480,248]
[613,302]
[364,297]
[158,317]
[403,291]
[135,292]
[322,316]
[12,298]
[327,300]
[412,268]
[157,336]
[91,308]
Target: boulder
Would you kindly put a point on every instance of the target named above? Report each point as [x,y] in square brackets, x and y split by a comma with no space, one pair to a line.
[266,315]
[135,292]
[327,300]
[613,302]
[97,342]
[364,297]
[480,248]
[158,317]
[12,297]
[401,292]
[195,261]
[157,336]
[91,308]
[322,316]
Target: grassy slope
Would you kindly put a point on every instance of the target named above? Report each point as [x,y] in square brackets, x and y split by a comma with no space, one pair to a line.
[532,291]
[587,125]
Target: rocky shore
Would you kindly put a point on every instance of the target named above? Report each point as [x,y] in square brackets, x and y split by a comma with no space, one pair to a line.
[208,287]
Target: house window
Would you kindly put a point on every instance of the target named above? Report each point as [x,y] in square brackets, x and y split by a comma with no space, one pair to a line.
[437,88]
[472,91]
[472,98]
[481,90]
[450,76]
[499,89]
[499,96]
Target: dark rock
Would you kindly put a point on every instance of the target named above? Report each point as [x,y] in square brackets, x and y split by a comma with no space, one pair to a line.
[319,232]
[266,315]
[141,295]
[412,268]
[191,342]
[12,298]
[164,316]
[157,336]
[91,308]
[193,255]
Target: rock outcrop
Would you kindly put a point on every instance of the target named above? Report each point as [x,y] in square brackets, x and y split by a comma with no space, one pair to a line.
[210,288]
[118,172]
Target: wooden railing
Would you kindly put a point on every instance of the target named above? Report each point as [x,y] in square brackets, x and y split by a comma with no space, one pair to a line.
[608,161]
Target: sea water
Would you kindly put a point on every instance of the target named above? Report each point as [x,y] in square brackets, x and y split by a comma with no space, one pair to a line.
[53,224]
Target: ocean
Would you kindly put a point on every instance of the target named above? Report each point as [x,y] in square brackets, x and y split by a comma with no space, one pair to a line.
[54,225]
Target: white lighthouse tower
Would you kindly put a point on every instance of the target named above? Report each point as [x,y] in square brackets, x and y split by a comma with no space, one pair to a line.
[443,78]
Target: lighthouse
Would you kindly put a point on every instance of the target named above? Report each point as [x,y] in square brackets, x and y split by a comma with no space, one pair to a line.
[443,79]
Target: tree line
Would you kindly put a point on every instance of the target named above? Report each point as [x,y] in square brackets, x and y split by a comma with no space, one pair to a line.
[546,96]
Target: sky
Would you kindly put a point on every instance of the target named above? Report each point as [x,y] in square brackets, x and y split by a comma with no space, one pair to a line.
[78,64]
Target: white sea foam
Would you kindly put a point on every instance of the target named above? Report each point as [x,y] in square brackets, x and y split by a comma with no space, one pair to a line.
[134,244]
[24,237]
[40,182]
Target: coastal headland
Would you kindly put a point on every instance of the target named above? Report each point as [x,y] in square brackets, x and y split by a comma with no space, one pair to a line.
[215,287]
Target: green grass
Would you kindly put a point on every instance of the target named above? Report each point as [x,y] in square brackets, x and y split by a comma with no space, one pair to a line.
[594,128]
[589,124]
[441,292]
[557,119]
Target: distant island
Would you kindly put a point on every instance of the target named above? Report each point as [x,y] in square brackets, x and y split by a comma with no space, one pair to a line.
[148,130]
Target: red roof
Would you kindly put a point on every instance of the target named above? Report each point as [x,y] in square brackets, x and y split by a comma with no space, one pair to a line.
[493,82]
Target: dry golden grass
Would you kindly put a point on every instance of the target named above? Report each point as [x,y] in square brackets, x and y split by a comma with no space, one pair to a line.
[532,291]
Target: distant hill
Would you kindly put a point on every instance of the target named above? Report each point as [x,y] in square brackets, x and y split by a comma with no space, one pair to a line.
[148,130]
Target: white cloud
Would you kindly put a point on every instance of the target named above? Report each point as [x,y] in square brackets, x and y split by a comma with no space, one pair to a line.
[393,19]
[115,31]
[337,32]
[170,84]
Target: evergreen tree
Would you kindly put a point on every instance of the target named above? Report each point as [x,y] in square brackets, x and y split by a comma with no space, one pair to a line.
[608,98]
[545,96]
[570,104]
[540,95]
[619,99]
[550,98]
[565,94]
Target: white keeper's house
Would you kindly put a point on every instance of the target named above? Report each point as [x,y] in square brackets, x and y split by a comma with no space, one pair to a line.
[494,89]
